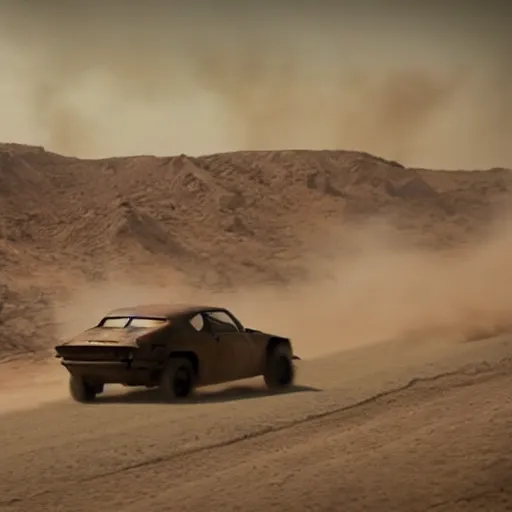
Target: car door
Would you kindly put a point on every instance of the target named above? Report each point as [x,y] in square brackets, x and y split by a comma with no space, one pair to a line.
[210,351]
[236,346]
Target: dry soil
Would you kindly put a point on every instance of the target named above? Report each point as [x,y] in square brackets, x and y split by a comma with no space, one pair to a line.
[394,283]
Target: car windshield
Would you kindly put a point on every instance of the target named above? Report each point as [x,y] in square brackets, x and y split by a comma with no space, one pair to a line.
[129,321]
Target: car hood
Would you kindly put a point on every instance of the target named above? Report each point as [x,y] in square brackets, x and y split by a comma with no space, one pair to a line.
[109,336]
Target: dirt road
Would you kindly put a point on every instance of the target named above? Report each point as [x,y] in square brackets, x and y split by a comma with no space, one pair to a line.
[391,427]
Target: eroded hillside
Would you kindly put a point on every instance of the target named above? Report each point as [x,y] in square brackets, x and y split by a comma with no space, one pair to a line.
[220,221]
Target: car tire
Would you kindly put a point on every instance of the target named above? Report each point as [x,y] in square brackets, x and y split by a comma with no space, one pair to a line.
[178,379]
[279,370]
[99,388]
[80,390]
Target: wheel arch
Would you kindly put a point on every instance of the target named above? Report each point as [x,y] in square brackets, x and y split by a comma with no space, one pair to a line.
[187,354]
[274,341]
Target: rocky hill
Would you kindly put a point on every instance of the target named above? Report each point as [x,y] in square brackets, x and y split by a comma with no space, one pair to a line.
[218,221]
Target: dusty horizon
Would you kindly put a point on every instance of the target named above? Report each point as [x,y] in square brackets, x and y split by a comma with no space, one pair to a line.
[427,87]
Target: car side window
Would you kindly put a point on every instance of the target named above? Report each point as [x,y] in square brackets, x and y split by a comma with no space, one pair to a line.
[221,322]
[197,322]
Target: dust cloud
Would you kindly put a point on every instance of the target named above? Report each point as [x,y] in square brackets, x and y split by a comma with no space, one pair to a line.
[380,289]
[428,87]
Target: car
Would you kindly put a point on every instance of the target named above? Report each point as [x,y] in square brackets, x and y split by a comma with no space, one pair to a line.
[175,348]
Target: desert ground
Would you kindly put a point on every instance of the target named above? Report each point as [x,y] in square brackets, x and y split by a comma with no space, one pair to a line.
[396,427]
[394,284]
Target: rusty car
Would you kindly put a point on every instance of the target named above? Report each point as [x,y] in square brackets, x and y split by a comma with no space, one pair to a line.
[175,348]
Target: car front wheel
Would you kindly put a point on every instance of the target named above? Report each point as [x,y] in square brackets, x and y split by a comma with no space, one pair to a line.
[279,371]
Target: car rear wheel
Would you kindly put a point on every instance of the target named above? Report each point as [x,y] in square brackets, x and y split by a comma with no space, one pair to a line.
[81,391]
[279,371]
[178,379]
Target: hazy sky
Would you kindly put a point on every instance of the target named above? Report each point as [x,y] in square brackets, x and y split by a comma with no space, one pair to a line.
[423,83]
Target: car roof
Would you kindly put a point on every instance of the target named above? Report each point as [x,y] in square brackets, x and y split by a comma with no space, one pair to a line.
[167,311]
